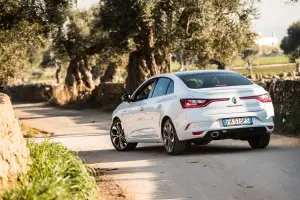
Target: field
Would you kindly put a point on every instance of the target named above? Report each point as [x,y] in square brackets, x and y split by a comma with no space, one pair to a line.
[268,70]
[268,60]
[38,75]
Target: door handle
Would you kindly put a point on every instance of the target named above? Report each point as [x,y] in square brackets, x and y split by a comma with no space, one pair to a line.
[124,111]
[142,109]
[159,106]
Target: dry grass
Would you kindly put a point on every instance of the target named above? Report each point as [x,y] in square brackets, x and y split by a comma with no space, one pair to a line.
[32,132]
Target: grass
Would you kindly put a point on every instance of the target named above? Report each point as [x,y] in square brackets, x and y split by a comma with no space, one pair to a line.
[55,173]
[266,60]
[239,62]
[268,70]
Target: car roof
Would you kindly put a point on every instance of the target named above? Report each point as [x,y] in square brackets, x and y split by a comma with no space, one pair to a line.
[170,75]
[203,72]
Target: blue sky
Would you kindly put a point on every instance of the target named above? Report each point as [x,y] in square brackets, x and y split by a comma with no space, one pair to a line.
[275,16]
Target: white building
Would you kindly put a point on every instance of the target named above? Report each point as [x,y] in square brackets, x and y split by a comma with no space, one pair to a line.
[267,41]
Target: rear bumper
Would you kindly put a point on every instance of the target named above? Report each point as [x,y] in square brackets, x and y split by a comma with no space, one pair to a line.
[193,122]
[238,133]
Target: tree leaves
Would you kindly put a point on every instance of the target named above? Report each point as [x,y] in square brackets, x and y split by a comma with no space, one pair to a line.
[291,43]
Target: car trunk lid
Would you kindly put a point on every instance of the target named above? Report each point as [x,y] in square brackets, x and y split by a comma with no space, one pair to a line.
[231,102]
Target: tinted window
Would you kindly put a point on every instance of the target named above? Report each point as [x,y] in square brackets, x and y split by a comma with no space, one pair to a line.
[213,79]
[144,92]
[161,87]
[170,88]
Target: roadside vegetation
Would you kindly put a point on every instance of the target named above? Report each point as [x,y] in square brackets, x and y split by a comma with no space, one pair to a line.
[55,173]
[32,132]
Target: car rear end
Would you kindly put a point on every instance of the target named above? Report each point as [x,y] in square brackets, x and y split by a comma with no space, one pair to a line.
[223,105]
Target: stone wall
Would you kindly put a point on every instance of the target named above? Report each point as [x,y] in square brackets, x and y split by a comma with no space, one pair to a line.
[30,93]
[269,77]
[14,155]
[286,100]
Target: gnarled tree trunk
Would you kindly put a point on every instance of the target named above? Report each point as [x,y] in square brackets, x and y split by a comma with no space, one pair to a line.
[298,67]
[58,72]
[221,66]
[111,73]
[79,74]
[137,72]
[86,74]
[145,62]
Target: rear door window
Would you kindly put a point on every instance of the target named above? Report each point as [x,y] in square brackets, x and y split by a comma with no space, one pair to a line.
[170,88]
[213,79]
[161,87]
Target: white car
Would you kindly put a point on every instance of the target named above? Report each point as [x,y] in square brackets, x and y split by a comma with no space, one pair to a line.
[182,108]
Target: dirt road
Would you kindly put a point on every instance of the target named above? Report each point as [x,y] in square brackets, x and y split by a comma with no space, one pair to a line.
[219,171]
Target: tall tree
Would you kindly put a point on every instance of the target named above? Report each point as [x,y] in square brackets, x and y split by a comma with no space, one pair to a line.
[249,55]
[24,27]
[78,39]
[290,44]
[216,30]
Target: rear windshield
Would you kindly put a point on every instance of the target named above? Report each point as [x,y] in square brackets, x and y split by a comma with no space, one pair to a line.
[213,79]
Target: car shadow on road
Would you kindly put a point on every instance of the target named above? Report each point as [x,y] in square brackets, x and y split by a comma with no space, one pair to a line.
[158,152]
[152,165]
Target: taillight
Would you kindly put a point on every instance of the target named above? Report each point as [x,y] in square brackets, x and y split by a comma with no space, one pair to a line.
[265,98]
[198,103]
[198,133]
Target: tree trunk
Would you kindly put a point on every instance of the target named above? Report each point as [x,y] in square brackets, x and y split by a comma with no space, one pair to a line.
[145,62]
[86,74]
[249,67]
[137,72]
[111,73]
[221,66]
[58,72]
[70,78]
[298,67]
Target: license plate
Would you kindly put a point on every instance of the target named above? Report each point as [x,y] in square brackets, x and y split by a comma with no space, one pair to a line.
[238,121]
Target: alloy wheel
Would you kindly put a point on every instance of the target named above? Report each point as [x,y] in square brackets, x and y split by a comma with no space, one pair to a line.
[118,136]
[168,137]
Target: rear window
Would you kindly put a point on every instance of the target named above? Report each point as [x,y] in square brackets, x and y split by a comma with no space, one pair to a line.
[213,79]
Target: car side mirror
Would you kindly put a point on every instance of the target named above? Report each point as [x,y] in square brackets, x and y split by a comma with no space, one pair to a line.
[126,98]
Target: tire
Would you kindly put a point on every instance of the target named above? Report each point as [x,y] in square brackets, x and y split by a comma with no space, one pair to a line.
[259,142]
[204,142]
[171,142]
[117,137]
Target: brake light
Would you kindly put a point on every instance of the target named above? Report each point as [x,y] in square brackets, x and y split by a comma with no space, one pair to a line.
[265,98]
[198,103]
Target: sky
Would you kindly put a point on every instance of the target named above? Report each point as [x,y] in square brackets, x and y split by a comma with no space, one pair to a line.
[275,16]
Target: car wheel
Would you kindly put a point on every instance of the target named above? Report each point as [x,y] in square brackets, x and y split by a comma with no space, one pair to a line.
[171,142]
[259,142]
[204,142]
[118,139]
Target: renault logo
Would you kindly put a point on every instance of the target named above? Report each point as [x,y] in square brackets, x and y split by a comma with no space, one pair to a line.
[234,100]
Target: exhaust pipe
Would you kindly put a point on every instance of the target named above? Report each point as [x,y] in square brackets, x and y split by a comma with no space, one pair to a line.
[215,134]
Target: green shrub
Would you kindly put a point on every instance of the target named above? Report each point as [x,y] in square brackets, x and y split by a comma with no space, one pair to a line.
[55,173]
[287,124]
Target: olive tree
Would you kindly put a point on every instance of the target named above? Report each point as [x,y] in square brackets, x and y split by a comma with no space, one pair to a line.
[214,31]
[290,44]
[24,27]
